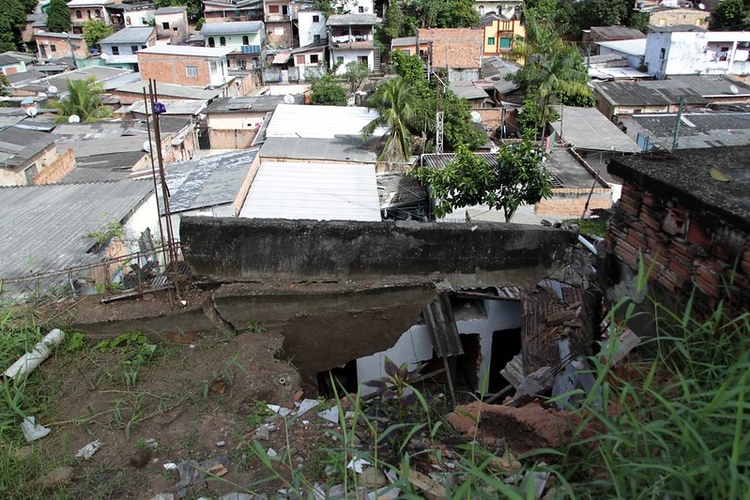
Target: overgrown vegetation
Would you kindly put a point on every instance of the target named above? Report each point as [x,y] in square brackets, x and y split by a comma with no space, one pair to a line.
[326,91]
[84,99]
[95,30]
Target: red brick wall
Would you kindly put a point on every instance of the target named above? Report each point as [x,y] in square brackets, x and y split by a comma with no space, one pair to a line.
[171,69]
[687,249]
[59,168]
[570,202]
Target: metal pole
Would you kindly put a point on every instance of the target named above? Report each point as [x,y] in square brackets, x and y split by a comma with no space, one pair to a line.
[153,173]
[676,141]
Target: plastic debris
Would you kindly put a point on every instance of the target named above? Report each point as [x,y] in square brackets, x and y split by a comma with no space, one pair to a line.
[88,451]
[31,360]
[357,464]
[170,466]
[272,453]
[279,409]
[307,404]
[221,444]
[33,431]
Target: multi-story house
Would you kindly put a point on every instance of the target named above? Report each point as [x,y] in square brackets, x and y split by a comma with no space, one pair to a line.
[87,10]
[351,38]
[505,9]
[171,24]
[59,45]
[278,19]
[500,33]
[232,10]
[245,38]
[119,49]
[311,25]
[133,15]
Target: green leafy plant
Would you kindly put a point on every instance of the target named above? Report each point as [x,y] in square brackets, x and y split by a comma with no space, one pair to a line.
[114,229]
[254,326]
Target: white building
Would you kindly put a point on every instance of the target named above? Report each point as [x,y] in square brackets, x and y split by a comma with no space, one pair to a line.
[632,50]
[681,50]
[312,27]
[351,37]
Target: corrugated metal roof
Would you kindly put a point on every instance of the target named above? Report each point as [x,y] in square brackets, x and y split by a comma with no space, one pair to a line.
[323,122]
[187,50]
[44,227]
[352,20]
[342,148]
[129,35]
[467,90]
[171,90]
[174,106]
[232,28]
[209,181]
[587,128]
[17,146]
[699,130]
[318,191]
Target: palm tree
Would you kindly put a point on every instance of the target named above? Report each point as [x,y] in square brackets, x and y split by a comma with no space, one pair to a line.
[84,99]
[552,66]
[399,111]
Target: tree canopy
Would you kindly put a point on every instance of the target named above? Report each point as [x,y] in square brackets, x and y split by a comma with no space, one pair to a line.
[58,16]
[729,15]
[356,74]
[327,92]
[516,177]
[84,99]
[95,30]
[11,23]
[194,7]
[404,17]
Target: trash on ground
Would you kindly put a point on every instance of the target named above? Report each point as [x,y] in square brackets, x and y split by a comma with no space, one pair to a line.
[33,431]
[88,451]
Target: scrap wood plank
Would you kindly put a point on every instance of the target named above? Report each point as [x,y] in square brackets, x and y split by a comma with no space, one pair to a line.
[432,489]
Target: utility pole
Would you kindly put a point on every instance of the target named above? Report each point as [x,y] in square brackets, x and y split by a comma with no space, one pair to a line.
[676,141]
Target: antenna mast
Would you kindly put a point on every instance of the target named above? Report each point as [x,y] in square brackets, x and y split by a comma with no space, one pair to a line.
[438,116]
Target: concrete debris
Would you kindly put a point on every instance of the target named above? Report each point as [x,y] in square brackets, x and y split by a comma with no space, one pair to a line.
[540,479]
[262,433]
[150,443]
[57,477]
[279,409]
[88,451]
[626,342]
[220,444]
[33,431]
[192,472]
[272,453]
[170,466]
[305,405]
[238,496]
[533,385]
[163,496]
[513,371]
[432,489]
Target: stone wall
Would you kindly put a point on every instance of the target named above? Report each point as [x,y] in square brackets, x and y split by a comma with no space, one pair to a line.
[474,254]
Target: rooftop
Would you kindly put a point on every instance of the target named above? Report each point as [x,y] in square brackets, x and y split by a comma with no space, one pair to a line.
[85,3]
[108,167]
[174,106]
[450,34]
[588,129]
[170,10]
[635,47]
[352,20]
[467,90]
[232,28]
[132,35]
[318,191]
[406,41]
[703,129]
[612,33]
[107,75]
[171,90]
[50,34]
[676,28]
[34,216]
[321,122]
[187,50]
[5,60]
[694,88]
[686,175]
[257,104]
[342,148]
[18,146]
[209,181]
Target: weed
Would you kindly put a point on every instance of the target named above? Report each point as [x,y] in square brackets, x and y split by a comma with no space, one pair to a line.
[75,342]
[253,326]
[114,229]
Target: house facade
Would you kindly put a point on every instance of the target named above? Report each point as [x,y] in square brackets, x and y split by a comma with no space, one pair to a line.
[137,15]
[505,9]
[232,10]
[670,51]
[245,38]
[500,33]
[311,27]
[28,156]
[58,45]
[661,15]
[172,24]
[88,10]
[278,18]
[351,37]
[459,50]
[120,48]
[185,65]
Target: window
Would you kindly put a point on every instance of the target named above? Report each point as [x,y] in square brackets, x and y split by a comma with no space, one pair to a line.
[361,9]
[406,51]
[316,19]
[300,59]
[505,43]
[245,40]
[211,42]
[79,15]
[285,10]
[490,40]
[191,71]
[313,58]
[723,53]
[273,9]
[316,38]
[481,10]
[165,26]
[662,53]
[98,14]
[52,48]
[222,41]
[128,21]
[88,12]
[115,51]
[241,64]
[340,60]
[363,59]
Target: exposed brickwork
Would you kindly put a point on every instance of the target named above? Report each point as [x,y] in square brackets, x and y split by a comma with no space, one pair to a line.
[172,69]
[570,202]
[459,48]
[686,249]
[57,169]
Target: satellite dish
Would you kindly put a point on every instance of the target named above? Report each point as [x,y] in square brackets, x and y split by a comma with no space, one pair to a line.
[476,117]
[74,119]
[52,89]
[289,99]
[734,90]
[701,6]
[32,111]
[147,146]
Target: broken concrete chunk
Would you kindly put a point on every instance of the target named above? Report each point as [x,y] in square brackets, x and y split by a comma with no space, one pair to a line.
[372,478]
[513,371]
[432,490]
[57,477]
[534,384]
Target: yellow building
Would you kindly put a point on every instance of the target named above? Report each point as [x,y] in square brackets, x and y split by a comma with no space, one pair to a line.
[500,33]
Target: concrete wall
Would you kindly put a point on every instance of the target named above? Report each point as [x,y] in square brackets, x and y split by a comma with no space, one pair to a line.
[308,29]
[57,169]
[231,139]
[348,56]
[234,40]
[138,18]
[173,69]
[570,202]
[177,20]
[252,249]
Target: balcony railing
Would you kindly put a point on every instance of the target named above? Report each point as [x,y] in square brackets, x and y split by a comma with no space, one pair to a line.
[250,49]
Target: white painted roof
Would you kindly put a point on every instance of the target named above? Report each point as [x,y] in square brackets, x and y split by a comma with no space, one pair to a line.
[319,122]
[587,128]
[187,50]
[318,191]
